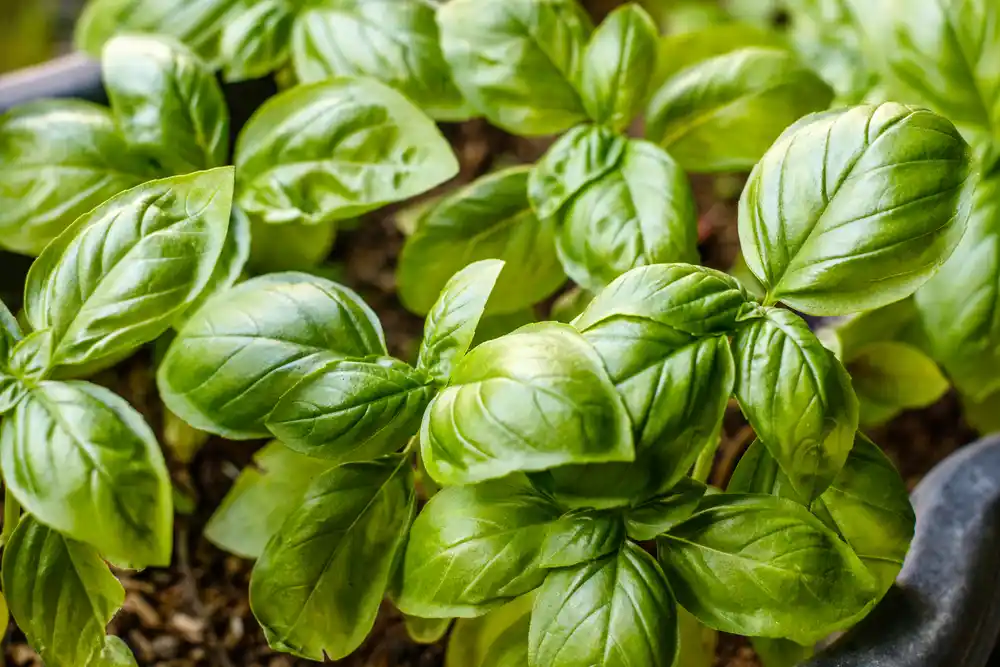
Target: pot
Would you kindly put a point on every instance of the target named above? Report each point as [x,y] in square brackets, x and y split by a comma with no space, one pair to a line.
[944,610]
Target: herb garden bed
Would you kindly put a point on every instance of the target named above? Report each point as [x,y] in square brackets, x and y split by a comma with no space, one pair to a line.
[197,611]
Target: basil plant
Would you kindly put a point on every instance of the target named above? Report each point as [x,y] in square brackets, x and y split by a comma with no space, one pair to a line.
[557,455]
[81,462]
[599,202]
[310,157]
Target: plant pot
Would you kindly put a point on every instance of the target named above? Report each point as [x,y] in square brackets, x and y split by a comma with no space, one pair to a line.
[944,610]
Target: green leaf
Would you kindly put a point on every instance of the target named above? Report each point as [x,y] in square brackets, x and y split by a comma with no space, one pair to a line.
[148,254]
[766,567]
[942,55]
[516,60]
[247,347]
[820,224]
[697,642]
[570,304]
[798,398]
[110,487]
[264,495]
[582,536]
[958,305]
[166,102]
[487,219]
[116,653]
[723,113]
[426,630]
[616,204]
[617,65]
[349,410]
[289,247]
[353,520]
[661,333]
[394,41]
[197,23]
[613,612]
[256,42]
[532,400]
[61,594]
[867,504]
[452,322]
[657,515]
[495,326]
[232,261]
[780,652]
[472,639]
[511,648]
[334,150]
[848,336]
[889,377]
[678,52]
[473,548]
[58,160]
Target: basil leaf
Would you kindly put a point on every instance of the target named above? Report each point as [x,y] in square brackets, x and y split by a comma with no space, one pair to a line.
[247,346]
[264,495]
[156,246]
[723,113]
[511,648]
[657,515]
[426,630]
[867,504]
[353,519]
[167,102]
[942,55]
[452,323]
[256,41]
[394,41]
[232,261]
[495,326]
[660,332]
[290,246]
[889,377]
[848,336]
[116,653]
[472,639]
[111,488]
[197,23]
[334,150]
[613,612]
[639,211]
[10,332]
[570,304]
[487,219]
[614,77]
[764,566]
[515,60]
[582,536]
[982,415]
[819,225]
[352,410]
[677,52]
[61,594]
[30,358]
[780,652]
[58,160]
[532,400]
[957,305]
[473,548]
[698,643]
[797,397]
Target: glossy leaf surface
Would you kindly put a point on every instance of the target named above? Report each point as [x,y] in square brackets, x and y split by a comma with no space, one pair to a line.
[473,548]
[534,399]
[851,198]
[516,60]
[250,345]
[336,149]
[318,584]
[83,461]
[489,219]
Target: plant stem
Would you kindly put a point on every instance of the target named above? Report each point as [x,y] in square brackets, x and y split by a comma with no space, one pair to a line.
[703,466]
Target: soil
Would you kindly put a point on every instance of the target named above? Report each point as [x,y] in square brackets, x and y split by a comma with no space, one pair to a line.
[196,613]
